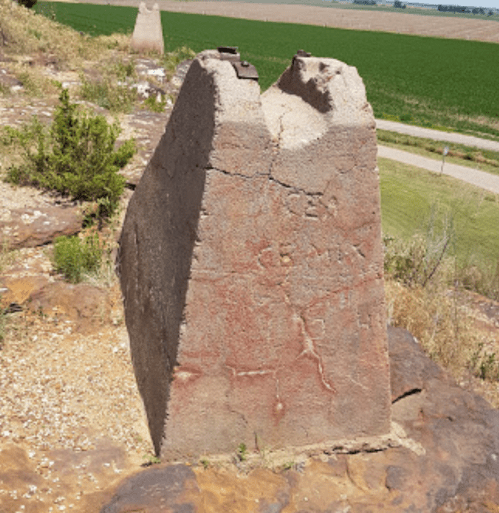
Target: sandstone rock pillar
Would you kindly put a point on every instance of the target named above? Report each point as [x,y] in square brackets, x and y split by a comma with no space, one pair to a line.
[251,264]
[148,35]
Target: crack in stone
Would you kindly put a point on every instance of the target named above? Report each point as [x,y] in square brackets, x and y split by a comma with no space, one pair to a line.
[310,350]
[294,188]
[270,178]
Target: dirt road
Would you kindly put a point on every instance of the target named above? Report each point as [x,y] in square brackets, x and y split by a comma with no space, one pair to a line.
[437,135]
[472,176]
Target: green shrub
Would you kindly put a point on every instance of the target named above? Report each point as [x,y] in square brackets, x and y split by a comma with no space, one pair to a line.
[27,3]
[74,257]
[75,157]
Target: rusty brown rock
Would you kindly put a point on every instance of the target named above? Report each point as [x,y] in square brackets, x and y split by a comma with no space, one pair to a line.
[30,227]
[19,290]
[148,35]
[251,264]
[83,303]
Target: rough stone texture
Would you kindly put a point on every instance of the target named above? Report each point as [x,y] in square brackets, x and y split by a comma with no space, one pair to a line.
[30,227]
[82,303]
[148,35]
[251,264]
[159,489]
[453,468]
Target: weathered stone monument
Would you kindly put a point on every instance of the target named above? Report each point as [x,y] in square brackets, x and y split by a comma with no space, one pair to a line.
[148,35]
[251,263]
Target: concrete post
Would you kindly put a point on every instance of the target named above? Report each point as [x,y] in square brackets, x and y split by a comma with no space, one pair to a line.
[148,35]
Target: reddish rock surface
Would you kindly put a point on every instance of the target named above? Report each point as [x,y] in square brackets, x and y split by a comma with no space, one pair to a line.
[251,264]
[30,227]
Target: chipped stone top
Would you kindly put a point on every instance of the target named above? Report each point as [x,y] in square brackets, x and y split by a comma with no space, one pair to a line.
[330,86]
[312,95]
[144,10]
[299,117]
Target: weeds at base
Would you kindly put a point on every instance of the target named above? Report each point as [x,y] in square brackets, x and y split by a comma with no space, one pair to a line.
[151,459]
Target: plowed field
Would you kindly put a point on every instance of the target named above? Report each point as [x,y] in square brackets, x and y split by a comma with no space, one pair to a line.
[402,23]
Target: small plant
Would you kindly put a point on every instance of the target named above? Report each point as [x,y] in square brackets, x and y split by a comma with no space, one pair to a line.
[75,157]
[155,105]
[113,89]
[484,364]
[172,59]
[205,463]
[74,257]
[242,452]
[417,262]
[151,459]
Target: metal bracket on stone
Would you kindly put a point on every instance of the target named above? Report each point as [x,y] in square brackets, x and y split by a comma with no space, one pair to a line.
[229,53]
[245,70]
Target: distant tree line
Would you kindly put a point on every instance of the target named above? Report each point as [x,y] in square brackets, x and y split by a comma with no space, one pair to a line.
[442,8]
[464,10]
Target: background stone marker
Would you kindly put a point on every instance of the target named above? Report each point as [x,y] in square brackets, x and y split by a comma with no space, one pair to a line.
[148,35]
[251,264]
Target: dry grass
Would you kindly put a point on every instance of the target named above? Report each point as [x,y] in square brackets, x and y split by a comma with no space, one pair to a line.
[447,327]
[36,47]
[426,293]
[22,32]
[442,325]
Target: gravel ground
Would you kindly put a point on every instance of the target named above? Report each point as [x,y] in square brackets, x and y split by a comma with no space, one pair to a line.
[72,423]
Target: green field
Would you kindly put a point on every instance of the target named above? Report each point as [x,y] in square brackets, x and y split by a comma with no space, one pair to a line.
[409,194]
[426,81]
